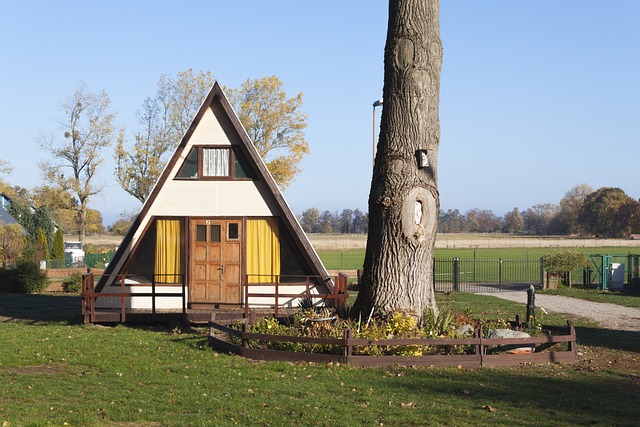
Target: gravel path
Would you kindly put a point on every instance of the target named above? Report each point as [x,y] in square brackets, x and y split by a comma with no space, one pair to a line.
[609,316]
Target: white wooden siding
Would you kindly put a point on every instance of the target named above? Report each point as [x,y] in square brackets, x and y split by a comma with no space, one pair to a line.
[214,198]
[208,132]
[142,302]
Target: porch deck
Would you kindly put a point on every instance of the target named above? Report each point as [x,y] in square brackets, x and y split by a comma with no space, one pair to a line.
[279,302]
[193,316]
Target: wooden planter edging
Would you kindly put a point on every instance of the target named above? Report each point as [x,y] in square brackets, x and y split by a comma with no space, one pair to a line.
[479,358]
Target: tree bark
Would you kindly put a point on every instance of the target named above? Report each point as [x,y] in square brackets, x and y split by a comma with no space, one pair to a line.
[404,200]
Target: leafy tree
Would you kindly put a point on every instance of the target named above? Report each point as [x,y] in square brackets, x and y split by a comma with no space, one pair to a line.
[360,222]
[15,193]
[275,124]
[33,220]
[42,246]
[326,222]
[310,220]
[537,218]
[122,225]
[563,262]
[403,200]
[162,122]
[451,221]
[570,207]
[513,222]
[87,125]
[12,243]
[58,245]
[95,224]
[608,212]
[345,221]
[481,221]
[60,203]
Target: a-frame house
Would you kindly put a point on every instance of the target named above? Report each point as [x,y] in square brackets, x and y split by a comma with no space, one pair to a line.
[215,228]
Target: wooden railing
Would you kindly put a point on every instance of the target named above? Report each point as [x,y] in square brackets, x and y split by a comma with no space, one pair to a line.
[338,297]
[481,355]
[89,296]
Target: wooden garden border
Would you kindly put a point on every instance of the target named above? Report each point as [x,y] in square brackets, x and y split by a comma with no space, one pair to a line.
[479,358]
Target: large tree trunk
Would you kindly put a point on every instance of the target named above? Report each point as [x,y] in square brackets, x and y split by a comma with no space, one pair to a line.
[403,200]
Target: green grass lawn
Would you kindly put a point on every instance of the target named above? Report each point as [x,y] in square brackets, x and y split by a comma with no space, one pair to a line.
[353,259]
[56,371]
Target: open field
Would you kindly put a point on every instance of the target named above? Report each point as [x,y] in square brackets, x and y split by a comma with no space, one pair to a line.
[476,241]
[443,241]
[56,371]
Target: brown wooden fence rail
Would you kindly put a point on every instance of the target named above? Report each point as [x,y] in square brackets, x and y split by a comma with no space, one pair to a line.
[480,357]
[89,296]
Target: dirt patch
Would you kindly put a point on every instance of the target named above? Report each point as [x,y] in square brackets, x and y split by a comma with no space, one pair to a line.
[36,370]
[596,359]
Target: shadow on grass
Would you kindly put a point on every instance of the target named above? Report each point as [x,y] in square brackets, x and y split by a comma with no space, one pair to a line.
[40,308]
[562,397]
[609,338]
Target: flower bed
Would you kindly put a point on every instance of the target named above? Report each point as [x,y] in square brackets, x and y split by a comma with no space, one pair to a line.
[397,341]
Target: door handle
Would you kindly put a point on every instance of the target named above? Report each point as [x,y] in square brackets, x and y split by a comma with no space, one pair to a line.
[221,268]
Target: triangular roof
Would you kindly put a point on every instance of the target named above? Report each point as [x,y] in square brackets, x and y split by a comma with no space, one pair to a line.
[6,218]
[218,100]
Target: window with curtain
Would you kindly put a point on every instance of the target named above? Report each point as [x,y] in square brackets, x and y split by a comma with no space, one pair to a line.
[215,162]
[263,250]
[168,268]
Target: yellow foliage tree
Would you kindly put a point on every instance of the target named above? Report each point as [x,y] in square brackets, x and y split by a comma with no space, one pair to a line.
[163,120]
[12,243]
[275,124]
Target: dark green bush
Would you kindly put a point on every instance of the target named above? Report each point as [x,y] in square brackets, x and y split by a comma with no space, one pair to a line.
[73,283]
[29,278]
[7,280]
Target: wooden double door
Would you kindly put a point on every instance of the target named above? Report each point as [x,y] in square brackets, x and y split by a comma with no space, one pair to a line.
[216,261]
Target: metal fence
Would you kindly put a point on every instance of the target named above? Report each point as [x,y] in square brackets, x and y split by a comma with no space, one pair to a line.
[487,275]
[613,272]
[90,261]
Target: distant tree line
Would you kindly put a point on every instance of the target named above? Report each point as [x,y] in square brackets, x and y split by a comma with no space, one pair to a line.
[347,221]
[606,213]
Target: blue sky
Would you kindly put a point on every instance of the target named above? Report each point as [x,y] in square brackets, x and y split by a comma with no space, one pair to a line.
[536,97]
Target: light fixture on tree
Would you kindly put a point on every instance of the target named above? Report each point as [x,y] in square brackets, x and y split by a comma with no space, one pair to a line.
[422,159]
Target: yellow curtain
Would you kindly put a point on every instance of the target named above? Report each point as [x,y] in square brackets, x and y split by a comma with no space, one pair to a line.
[263,250]
[168,257]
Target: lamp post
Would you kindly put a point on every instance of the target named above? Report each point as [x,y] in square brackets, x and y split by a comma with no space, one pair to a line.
[377,103]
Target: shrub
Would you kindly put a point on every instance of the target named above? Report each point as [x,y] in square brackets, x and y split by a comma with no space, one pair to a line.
[7,280]
[29,278]
[73,283]
[564,261]
[58,245]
